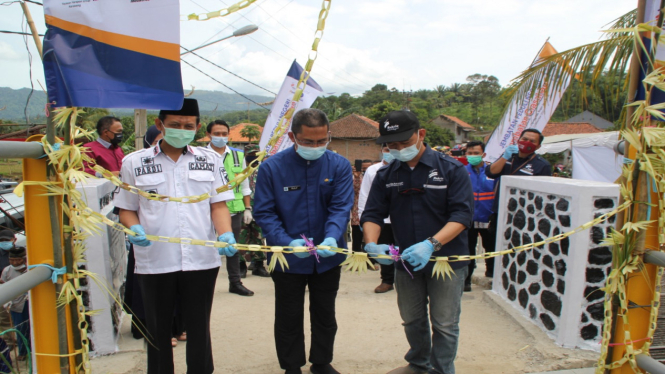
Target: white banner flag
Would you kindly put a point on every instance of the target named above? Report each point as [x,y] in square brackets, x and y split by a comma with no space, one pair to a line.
[532,113]
[283,103]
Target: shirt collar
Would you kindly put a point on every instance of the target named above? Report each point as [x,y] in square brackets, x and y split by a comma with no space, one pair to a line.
[429,157]
[104,142]
[157,150]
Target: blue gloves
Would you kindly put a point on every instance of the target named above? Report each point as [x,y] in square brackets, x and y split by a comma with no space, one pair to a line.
[418,254]
[379,249]
[510,151]
[139,239]
[227,251]
[299,243]
[330,242]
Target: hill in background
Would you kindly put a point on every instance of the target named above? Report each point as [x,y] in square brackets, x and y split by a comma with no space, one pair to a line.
[209,102]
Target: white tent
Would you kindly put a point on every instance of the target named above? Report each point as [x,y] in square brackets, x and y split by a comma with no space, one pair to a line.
[593,154]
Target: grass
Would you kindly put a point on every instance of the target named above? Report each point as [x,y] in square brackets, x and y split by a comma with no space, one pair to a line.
[11,168]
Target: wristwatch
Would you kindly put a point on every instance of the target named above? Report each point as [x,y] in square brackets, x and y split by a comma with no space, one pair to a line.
[435,243]
[248,208]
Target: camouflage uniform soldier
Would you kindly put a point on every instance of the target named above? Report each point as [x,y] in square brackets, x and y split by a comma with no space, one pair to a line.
[251,233]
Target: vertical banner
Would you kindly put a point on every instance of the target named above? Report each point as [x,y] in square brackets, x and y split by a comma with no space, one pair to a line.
[532,113]
[283,103]
[113,54]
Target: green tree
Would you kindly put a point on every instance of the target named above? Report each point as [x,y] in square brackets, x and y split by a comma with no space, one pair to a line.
[436,135]
[251,133]
[379,110]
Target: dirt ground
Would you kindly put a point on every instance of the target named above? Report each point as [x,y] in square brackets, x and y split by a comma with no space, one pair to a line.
[494,339]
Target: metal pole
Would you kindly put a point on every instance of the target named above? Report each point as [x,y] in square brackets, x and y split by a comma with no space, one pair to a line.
[33,29]
[140,127]
[24,283]
[649,365]
[654,257]
[54,213]
[10,149]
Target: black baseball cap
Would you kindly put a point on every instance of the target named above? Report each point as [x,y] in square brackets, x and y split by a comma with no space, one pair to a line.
[397,126]
[7,234]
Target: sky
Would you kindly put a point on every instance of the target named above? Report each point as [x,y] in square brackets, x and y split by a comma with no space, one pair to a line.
[406,44]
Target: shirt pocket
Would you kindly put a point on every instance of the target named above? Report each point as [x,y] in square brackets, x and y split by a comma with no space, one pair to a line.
[436,195]
[153,184]
[200,182]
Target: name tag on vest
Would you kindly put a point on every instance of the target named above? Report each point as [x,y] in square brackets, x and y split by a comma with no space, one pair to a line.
[291,188]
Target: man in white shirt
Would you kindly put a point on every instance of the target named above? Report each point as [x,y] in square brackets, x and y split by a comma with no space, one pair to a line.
[168,270]
[386,237]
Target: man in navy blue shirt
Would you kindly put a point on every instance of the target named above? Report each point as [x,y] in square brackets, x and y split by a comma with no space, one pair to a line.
[483,200]
[517,160]
[429,199]
[308,190]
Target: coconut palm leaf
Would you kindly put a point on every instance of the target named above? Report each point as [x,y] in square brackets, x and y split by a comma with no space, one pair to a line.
[611,56]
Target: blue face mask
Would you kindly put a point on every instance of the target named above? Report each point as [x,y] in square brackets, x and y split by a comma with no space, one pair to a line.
[407,154]
[311,153]
[6,245]
[387,157]
[219,141]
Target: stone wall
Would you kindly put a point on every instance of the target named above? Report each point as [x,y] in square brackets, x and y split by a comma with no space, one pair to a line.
[556,285]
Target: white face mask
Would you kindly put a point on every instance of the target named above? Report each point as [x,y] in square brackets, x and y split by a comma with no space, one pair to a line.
[20,267]
[407,154]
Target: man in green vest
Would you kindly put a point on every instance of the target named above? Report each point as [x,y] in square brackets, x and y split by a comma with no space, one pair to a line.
[240,208]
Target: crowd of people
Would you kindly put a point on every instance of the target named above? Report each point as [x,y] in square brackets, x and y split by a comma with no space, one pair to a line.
[416,200]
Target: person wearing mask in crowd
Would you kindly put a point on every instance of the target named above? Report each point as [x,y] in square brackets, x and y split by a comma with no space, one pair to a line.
[133,299]
[170,270]
[152,136]
[356,232]
[240,207]
[251,232]
[483,200]
[18,307]
[7,243]
[517,160]
[386,237]
[429,200]
[105,151]
[306,190]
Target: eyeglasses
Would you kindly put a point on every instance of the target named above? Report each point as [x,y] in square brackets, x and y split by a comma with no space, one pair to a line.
[320,143]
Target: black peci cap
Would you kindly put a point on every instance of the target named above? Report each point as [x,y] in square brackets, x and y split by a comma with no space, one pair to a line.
[190,107]
[397,126]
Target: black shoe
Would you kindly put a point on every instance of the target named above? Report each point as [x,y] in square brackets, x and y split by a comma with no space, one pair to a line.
[243,269]
[467,287]
[251,266]
[260,271]
[322,369]
[239,289]
[293,371]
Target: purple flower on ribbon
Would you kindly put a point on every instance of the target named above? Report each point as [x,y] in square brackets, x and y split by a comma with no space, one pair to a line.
[394,253]
[311,248]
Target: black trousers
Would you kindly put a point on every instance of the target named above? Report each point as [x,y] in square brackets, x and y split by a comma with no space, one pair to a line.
[160,292]
[233,262]
[356,238]
[489,238]
[289,316]
[387,271]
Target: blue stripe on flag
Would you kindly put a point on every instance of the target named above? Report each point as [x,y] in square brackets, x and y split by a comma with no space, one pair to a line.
[83,72]
[296,70]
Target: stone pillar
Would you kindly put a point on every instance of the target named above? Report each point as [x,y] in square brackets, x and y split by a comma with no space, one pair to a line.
[556,286]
